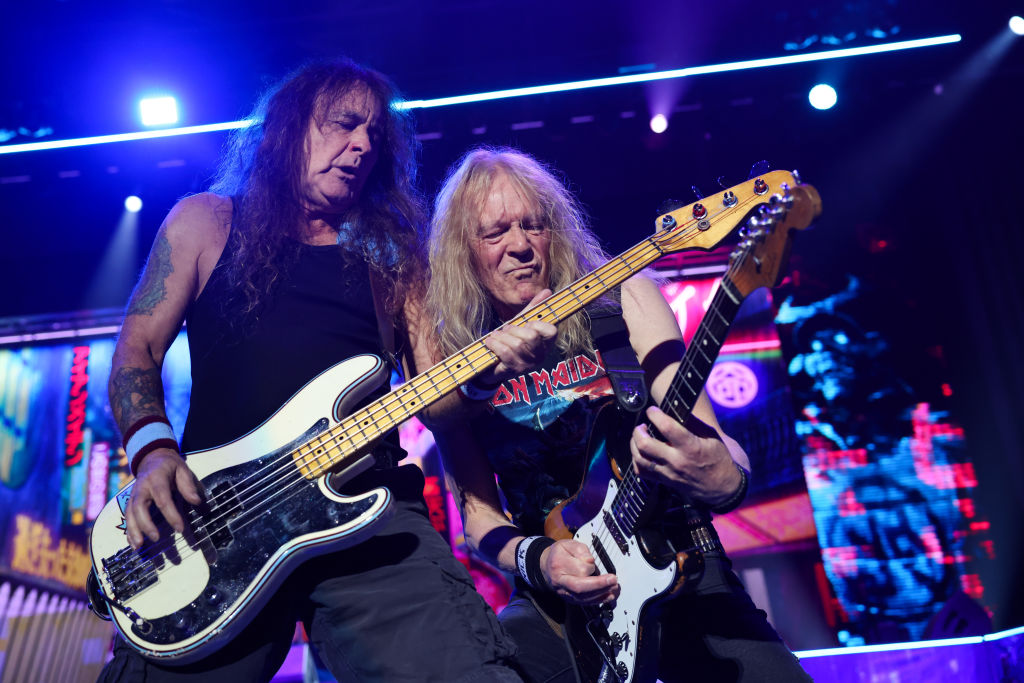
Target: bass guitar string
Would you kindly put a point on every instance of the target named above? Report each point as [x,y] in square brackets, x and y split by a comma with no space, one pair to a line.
[571,291]
[426,374]
[554,303]
[684,234]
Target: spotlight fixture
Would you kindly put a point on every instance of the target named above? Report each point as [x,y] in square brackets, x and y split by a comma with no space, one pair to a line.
[132,204]
[1017,25]
[659,124]
[822,96]
[158,111]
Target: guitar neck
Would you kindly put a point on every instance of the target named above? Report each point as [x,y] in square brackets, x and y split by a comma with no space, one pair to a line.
[627,509]
[702,352]
[347,441]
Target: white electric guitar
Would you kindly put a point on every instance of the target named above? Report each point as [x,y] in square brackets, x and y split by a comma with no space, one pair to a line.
[271,504]
[612,511]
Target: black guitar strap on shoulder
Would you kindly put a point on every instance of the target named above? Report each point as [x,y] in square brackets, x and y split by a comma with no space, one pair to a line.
[620,362]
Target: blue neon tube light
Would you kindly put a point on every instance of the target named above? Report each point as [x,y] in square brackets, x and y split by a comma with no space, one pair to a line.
[519,92]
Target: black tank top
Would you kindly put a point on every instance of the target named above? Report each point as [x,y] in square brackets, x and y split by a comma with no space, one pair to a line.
[320,313]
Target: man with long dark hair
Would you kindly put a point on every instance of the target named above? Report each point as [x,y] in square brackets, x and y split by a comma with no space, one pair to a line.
[305,252]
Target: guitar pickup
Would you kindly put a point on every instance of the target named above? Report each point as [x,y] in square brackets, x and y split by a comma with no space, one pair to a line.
[602,555]
[226,509]
[616,532]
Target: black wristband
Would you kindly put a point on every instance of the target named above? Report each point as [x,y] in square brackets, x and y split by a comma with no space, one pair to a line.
[733,501]
[528,552]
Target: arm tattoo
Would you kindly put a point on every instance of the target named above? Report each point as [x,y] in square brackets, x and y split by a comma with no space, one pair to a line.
[134,394]
[152,288]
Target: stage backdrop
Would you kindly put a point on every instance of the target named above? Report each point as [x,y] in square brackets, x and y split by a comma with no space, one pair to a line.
[60,453]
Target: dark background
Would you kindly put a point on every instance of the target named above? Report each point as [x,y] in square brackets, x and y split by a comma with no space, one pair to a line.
[919,164]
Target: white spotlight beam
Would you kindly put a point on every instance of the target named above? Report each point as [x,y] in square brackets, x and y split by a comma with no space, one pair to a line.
[122,137]
[681,73]
[521,92]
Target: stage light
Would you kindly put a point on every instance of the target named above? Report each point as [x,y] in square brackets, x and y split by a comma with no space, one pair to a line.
[132,204]
[659,124]
[822,96]
[158,111]
[1017,25]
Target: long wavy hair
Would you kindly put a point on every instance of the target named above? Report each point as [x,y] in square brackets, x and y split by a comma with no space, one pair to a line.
[456,302]
[262,171]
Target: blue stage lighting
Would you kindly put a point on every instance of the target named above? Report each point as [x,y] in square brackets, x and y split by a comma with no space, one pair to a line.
[1017,25]
[822,96]
[659,124]
[519,92]
[158,111]
[132,204]
[681,73]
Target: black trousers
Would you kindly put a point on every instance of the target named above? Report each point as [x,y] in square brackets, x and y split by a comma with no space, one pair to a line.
[397,607]
[715,633]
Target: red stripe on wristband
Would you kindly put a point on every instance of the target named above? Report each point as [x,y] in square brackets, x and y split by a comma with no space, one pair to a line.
[139,424]
[149,448]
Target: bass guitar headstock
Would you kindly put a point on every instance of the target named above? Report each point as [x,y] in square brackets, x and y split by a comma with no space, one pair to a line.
[706,222]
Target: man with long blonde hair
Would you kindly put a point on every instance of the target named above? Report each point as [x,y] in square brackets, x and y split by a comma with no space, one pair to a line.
[505,232]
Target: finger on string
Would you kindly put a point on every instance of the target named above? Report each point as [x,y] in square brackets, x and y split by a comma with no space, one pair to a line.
[131,525]
[189,487]
[144,522]
[165,503]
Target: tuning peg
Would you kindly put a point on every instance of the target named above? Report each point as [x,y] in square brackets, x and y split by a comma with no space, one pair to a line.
[759,168]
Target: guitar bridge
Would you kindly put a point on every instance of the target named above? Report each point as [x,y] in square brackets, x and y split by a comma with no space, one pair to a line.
[128,574]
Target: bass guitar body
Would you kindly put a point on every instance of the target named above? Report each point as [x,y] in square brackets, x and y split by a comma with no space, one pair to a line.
[618,642]
[183,596]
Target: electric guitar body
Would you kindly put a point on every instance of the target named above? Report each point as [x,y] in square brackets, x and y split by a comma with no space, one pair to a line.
[623,637]
[619,516]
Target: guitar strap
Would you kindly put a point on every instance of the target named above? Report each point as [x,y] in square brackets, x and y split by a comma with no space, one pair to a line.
[611,337]
[388,452]
[385,321]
